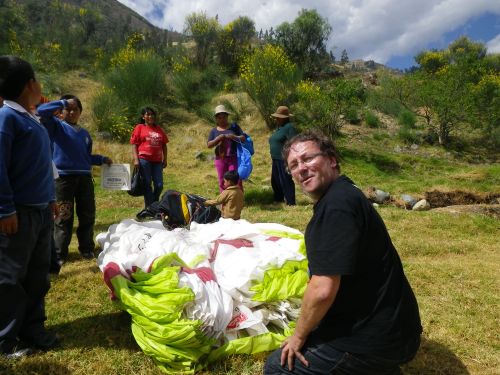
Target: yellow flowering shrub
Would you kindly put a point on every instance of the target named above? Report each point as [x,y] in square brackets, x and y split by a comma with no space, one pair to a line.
[270,78]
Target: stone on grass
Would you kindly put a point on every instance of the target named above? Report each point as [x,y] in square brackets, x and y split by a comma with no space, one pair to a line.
[408,200]
[200,155]
[421,205]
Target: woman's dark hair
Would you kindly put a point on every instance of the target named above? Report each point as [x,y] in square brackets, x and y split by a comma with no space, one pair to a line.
[324,143]
[144,111]
[75,98]
[15,73]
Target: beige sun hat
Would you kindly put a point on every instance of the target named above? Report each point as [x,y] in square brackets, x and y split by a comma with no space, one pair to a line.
[221,109]
[282,112]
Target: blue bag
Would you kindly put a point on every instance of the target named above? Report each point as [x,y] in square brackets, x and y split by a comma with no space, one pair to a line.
[248,143]
[244,161]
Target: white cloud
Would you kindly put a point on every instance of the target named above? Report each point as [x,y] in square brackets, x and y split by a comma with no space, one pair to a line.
[368,29]
[494,45]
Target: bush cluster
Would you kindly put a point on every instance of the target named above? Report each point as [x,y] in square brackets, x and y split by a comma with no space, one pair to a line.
[270,78]
[136,80]
[371,119]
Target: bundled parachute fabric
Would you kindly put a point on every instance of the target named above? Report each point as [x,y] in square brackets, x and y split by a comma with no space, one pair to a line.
[229,287]
[156,301]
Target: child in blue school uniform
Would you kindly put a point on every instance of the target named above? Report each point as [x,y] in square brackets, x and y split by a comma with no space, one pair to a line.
[73,158]
[26,213]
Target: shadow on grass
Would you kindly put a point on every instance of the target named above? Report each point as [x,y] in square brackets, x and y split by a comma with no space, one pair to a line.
[103,227]
[383,163]
[106,330]
[256,197]
[33,365]
[434,358]
[74,272]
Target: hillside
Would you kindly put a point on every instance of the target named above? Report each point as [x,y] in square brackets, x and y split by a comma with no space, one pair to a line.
[69,25]
[114,12]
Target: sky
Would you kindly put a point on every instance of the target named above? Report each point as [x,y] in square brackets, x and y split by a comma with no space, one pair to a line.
[390,32]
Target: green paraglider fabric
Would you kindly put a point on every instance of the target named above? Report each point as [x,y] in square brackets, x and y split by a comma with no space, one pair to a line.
[178,345]
[279,284]
[155,302]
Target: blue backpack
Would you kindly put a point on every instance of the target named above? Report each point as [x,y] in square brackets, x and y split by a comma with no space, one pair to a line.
[244,152]
[248,143]
[244,161]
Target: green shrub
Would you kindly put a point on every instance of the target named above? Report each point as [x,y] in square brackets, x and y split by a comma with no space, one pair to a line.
[378,101]
[109,115]
[136,80]
[371,119]
[380,136]
[495,136]
[195,88]
[321,105]
[407,118]
[408,135]
[269,77]
[352,115]
[139,82]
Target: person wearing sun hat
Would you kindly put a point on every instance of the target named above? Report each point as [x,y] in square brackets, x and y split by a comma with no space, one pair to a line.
[281,181]
[223,138]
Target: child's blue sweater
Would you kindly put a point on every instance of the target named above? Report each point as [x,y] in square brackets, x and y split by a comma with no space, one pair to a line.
[72,152]
[26,175]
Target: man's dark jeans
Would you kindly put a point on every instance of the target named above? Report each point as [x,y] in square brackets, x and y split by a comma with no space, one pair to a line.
[325,359]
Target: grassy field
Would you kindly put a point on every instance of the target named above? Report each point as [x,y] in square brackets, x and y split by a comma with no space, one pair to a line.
[452,261]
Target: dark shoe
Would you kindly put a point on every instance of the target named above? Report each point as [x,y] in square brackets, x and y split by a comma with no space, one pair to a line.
[44,340]
[55,267]
[87,255]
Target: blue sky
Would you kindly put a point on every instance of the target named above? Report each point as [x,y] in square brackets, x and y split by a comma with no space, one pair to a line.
[483,29]
[390,32]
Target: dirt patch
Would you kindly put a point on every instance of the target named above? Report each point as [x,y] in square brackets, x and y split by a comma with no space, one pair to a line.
[437,198]
[492,210]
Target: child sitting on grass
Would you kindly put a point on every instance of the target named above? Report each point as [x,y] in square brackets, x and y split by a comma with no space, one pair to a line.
[231,198]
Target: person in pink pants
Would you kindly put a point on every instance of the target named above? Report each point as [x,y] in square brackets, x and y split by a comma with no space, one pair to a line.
[223,138]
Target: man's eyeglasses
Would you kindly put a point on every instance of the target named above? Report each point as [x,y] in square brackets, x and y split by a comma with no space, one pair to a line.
[306,160]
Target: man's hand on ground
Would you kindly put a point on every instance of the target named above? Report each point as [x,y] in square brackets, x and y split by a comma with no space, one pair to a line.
[291,349]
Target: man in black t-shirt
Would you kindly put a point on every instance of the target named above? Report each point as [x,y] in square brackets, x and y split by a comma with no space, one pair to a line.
[359,314]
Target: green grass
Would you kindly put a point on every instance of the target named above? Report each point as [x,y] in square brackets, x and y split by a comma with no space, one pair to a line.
[451,260]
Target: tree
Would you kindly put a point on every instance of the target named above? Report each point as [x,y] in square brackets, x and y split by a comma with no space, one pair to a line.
[269,78]
[304,41]
[344,59]
[486,99]
[235,42]
[457,86]
[439,98]
[204,31]
[320,105]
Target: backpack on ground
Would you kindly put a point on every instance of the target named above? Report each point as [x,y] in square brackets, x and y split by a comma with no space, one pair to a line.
[179,210]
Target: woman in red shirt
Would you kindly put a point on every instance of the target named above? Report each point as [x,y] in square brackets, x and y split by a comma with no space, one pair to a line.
[149,148]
